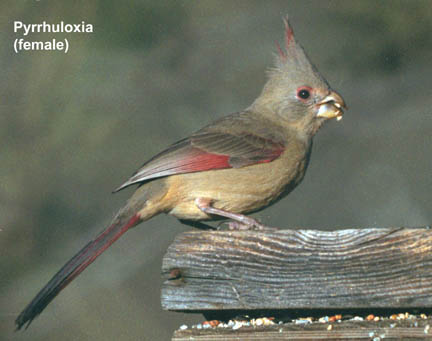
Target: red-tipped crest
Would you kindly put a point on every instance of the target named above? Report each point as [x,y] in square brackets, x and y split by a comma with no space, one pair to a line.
[289,34]
[289,37]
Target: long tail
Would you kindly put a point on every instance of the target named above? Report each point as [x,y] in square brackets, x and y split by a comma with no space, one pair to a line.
[74,267]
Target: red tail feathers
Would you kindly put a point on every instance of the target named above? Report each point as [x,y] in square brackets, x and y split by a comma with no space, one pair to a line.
[73,268]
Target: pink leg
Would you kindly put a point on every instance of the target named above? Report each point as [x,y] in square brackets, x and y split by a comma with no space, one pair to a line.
[241,222]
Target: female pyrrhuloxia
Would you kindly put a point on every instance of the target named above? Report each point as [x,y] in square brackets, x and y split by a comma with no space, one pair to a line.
[238,164]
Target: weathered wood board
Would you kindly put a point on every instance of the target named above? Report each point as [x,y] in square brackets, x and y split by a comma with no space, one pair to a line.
[303,269]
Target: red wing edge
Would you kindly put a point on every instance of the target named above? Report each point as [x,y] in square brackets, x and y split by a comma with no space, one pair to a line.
[183,157]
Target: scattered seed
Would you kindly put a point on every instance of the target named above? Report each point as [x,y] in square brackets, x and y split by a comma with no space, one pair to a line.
[268,321]
[237,325]
[323,319]
[214,323]
[306,320]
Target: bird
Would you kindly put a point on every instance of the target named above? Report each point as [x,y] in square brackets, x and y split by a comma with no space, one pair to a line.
[239,164]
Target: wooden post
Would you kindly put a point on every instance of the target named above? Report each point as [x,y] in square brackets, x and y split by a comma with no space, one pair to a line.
[287,269]
[279,272]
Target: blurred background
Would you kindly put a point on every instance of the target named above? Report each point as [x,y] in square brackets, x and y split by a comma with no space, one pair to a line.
[75,126]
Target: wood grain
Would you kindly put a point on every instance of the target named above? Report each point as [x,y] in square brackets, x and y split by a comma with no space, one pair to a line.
[303,269]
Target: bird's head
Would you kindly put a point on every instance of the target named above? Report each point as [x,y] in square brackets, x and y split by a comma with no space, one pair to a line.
[296,92]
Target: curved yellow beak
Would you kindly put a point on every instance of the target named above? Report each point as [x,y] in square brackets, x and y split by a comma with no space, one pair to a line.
[332,106]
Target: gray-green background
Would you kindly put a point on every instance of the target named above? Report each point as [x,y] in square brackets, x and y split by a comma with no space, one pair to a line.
[75,126]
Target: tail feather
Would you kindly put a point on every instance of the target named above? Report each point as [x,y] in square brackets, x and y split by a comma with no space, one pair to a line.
[73,268]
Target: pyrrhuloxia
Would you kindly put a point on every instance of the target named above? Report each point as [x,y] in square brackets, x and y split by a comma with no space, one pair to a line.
[238,164]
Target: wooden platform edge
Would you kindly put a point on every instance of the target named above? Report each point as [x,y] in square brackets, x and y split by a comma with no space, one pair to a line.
[412,329]
[299,269]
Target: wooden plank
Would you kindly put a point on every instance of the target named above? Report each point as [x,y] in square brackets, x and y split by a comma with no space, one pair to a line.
[304,269]
[413,329]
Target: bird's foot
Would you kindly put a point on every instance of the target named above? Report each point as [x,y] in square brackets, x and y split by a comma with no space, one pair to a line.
[255,226]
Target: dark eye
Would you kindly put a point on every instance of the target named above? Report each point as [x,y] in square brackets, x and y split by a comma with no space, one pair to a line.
[303,92]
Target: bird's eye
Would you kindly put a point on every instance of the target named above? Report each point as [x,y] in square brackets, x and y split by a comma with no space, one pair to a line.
[304,92]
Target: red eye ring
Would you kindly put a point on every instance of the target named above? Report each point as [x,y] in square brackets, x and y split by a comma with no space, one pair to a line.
[304,93]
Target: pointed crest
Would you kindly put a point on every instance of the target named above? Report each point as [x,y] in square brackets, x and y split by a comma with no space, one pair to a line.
[292,60]
[289,38]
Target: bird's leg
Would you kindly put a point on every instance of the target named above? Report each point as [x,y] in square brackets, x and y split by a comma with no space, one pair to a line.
[241,222]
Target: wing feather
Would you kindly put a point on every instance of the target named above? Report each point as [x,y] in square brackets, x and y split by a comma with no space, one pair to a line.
[208,151]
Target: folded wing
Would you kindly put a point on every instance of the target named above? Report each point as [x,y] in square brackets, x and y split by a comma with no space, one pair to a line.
[208,151]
